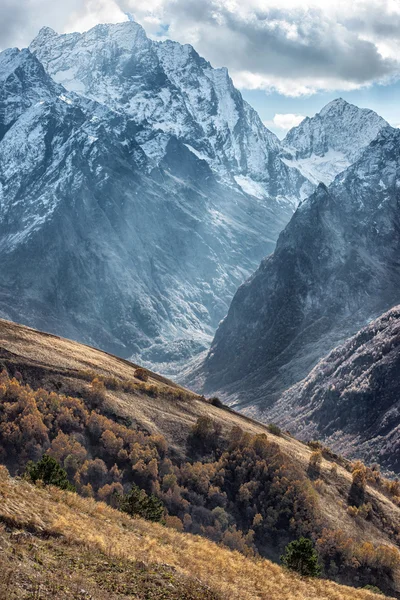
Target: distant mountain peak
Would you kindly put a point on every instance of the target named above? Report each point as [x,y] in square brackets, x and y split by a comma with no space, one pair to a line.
[335,105]
[323,146]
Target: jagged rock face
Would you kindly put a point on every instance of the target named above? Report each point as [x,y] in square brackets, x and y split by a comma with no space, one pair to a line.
[99,243]
[335,266]
[323,146]
[170,90]
[21,86]
[350,400]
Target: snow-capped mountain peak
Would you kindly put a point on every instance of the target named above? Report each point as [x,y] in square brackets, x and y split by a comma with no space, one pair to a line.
[168,88]
[335,107]
[326,144]
[23,83]
[44,34]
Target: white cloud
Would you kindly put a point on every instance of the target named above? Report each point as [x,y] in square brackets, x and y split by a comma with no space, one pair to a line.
[92,12]
[295,47]
[285,121]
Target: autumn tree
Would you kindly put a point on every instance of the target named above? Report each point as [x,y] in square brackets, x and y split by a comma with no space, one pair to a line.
[315,463]
[97,392]
[204,436]
[358,486]
[141,374]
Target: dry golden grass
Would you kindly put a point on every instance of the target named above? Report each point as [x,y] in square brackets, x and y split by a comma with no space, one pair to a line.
[96,528]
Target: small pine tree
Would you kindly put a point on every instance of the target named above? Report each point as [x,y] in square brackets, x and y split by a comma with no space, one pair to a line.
[139,504]
[50,472]
[301,556]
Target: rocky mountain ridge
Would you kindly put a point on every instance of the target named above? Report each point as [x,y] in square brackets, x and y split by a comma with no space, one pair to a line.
[350,399]
[169,89]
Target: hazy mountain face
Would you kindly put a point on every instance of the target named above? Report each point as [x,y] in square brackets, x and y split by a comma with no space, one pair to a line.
[121,222]
[335,266]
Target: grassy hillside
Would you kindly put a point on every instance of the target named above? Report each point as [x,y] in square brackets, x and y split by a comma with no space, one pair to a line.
[56,544]
[218,474]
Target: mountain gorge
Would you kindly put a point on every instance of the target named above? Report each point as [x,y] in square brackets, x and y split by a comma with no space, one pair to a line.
[139,192]
[138,189]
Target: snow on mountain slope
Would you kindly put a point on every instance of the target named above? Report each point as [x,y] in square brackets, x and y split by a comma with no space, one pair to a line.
[169,89]
[329,142]
[21,88]
[98,243]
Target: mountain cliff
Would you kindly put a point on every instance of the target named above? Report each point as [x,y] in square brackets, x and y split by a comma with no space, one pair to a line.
[335,267]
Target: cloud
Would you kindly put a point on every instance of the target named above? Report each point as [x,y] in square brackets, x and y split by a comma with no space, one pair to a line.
[295,47]
[21,21]
[92,12]
[285,121]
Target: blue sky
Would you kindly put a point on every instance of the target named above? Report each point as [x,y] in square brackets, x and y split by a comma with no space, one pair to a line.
[288,57]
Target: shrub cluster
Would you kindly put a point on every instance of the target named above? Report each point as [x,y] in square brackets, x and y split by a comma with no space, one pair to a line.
[139,384]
